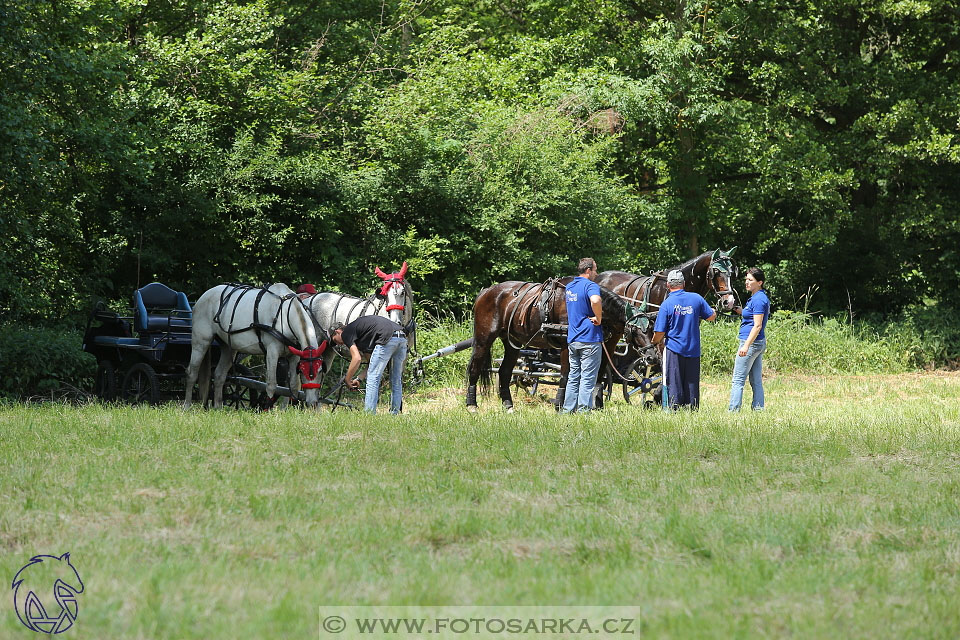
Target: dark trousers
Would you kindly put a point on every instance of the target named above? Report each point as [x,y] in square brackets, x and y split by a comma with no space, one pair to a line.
[682,376]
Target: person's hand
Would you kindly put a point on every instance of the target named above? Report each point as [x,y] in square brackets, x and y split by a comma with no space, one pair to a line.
[594,320]
[743,351]
[353,384]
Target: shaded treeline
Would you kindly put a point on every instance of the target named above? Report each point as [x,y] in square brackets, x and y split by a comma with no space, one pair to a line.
[202,141]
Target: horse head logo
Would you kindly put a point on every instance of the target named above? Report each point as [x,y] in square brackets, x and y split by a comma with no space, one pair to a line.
[394,291]
[45,594]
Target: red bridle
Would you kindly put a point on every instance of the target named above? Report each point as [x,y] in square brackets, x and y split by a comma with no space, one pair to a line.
[310,365]
[391,280]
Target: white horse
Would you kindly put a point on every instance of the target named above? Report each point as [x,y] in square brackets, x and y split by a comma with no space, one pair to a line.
[257,321]
[394,300]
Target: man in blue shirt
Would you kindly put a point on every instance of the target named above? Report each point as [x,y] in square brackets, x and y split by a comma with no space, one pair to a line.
[584,337]
[679,321]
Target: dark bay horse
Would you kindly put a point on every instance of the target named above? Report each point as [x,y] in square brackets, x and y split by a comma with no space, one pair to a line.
[530,315]
[710,271]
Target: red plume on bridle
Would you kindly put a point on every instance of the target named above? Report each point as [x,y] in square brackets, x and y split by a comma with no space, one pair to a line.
[391,278]
[311,361]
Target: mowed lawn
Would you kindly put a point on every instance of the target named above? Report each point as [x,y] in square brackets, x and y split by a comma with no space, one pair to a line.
[835,513]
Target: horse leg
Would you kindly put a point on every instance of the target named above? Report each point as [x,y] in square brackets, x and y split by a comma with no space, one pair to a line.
[272,357]
[478,370]
[198,359]
[203,379]
[607,371]
[220,375]
[564,372]
[506,375]
[293,379]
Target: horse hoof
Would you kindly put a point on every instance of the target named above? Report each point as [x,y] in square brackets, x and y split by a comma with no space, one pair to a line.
[471,408]
[509,409]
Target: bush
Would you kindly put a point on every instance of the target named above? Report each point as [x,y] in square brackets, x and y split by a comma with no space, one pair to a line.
[438,331]
[930,335]
[799,342]
[42,361]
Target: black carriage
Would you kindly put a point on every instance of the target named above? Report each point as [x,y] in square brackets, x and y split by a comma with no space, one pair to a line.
[142,357]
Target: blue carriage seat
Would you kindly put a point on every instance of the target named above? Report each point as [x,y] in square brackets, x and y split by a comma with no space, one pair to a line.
[157,307]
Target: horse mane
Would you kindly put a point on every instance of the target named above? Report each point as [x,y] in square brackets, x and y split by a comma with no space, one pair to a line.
[612,305]
[288,296]
[686,266]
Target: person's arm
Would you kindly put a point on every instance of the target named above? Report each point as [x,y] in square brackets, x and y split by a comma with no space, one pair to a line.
[355,357]
[658,336]
[754,332]
[597,306]
[707,309]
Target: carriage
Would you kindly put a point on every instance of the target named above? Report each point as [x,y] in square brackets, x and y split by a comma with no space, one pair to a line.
[142,356]
[145,355]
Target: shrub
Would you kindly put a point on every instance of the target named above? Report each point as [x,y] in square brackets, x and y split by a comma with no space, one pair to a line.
[930,335]
[799,342]
[42,361]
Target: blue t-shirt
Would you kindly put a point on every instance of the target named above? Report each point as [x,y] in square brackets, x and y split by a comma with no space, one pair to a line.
[758,303]
[679,318]
[579,311]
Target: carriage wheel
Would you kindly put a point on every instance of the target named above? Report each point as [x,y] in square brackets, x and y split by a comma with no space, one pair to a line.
[141,385]
[237,396]
[638,383]
[105,381]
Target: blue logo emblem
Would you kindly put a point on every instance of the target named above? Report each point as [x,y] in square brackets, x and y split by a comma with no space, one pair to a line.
[45,594]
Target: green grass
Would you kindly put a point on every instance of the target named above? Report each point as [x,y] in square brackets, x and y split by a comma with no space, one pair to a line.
[835,513]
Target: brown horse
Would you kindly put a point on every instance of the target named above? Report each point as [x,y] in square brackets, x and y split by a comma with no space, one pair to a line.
[530,315]
[710,271]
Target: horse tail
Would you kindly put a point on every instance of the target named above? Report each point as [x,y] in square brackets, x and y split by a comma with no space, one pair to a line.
[203,380]
[485,363]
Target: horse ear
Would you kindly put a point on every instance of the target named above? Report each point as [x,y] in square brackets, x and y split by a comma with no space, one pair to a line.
[403,269]
[294,351]
[729,252]
[380,274]
[716,254]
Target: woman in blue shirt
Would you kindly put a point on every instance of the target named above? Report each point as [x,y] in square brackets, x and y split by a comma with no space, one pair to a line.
[753,342]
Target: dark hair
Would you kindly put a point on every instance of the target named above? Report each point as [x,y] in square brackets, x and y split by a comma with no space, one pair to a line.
[586,263]
[757,274]
[336,327]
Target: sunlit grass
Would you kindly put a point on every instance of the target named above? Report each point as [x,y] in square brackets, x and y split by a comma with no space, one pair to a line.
[836,512]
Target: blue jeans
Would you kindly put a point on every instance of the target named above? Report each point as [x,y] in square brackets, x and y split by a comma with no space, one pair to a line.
[584,364]
[394,352]
[750,365]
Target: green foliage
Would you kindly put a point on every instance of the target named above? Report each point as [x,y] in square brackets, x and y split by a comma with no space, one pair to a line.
[207,141]
[436,332]
[797,343]
[42,362]
[800,343]
[929,334]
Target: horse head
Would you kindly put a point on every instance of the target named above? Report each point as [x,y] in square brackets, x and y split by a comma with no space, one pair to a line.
[310,367]
[720,276]
[394,292]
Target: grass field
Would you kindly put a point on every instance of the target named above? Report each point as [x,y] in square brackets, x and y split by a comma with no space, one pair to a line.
[835,513]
